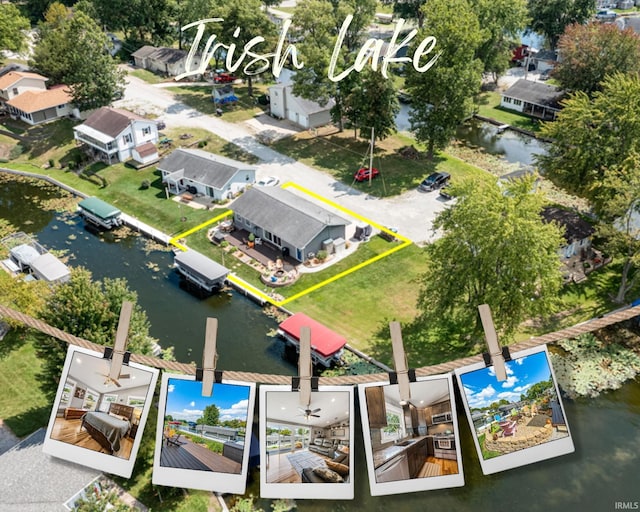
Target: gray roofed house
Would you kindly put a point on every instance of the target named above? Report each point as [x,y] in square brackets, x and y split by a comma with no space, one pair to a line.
[200,172]
[305,113]
[165,60]
[115,135]
[287,221]
[577,232]
[34,481]
[533,98]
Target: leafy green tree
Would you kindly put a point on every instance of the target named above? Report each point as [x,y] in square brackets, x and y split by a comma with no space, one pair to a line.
[373,103]
[210,416]
[442,95]
[73,50]
[592,135]
[591,52]
[91,310]
[501,22]
[619,210]
[12,27]
[410,10]
[551,17]
[495,249]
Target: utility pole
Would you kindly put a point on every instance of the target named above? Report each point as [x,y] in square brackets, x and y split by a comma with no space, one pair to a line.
[371,156]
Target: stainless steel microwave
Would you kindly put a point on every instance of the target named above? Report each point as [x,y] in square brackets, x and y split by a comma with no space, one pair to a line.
[445,417]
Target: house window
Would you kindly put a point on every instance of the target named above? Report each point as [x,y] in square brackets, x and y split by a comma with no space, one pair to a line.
[15,91]
[517,102]
[507,100]
[272,238]
[395,427]
[127,139]
[146,130]
[247,223]
[210,191]
[62,106]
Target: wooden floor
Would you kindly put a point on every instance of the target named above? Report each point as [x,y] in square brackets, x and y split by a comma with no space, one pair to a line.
[280,470]
[447,466]
[70,431]
[190,455]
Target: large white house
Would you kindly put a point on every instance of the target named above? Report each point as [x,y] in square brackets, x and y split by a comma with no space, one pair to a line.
[115,135]
[305,113]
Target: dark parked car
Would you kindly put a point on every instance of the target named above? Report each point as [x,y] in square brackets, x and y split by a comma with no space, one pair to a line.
[434,181]
[364,173]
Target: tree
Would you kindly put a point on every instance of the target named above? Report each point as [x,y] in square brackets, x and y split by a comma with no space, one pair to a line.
[495,249]
[72,50]
[410,10]
[619,210]
[592,135]
[88,309]
[591,52]
[210,416]
[551,17]
[501,22]
[442,96]
[12,27]
[373,103]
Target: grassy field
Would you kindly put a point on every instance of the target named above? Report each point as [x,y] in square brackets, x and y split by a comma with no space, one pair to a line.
[488,105]
[340,155]
[147,76]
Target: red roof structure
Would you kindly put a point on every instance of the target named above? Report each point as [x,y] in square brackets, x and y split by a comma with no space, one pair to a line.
[323,340]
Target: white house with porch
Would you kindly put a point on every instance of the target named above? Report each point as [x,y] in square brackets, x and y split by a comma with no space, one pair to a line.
[115,135]
[533,98]
[201,173]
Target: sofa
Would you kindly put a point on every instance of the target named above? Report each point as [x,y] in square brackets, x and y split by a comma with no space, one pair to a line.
[335,470]
[325,447]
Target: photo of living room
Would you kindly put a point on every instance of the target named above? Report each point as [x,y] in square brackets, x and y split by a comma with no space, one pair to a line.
[307,444]
[99,413]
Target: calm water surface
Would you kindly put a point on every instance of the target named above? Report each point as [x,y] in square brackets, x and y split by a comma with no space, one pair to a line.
[606,431]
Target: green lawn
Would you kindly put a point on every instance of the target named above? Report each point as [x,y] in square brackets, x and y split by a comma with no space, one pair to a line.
[488,105]
[23,407]
[147,76]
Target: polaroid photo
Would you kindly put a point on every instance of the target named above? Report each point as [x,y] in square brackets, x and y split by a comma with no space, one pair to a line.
[414,445]
[519,421]
[96,421]
[306,452]
[203,442]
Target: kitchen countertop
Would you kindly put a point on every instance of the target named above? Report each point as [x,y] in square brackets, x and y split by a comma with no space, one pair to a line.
[384,455]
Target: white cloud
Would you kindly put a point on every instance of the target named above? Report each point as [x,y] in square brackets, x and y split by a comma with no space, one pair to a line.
[510,382]
[481,398]
[520,360]
[236,411]
[187,414]
[510,396]
[521,389]
[192,404]
[170,388]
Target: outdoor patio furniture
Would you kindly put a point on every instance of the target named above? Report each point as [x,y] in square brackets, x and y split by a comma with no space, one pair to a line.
[508,428]
[172,438]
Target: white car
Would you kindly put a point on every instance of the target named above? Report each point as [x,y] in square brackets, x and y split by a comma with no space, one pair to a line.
[269,181]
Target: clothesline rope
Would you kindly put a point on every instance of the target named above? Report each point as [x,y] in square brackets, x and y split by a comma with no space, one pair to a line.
[570,332]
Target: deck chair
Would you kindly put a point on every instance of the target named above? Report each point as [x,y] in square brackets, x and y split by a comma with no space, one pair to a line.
[172,437]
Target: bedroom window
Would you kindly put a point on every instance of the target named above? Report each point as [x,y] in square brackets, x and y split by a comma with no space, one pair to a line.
[106,401]
[67,392]
[90,400]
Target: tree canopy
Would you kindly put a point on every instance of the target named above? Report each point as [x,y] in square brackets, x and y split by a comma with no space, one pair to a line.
[551,17]
[592,135]
[442,96]
[72,49]
[496,250]
[592,51]
[12,27]
[210,416]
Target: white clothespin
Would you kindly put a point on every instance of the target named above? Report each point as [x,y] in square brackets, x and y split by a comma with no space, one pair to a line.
[400,362]
[210,357]
[118,354]
[495,355]
[304,366]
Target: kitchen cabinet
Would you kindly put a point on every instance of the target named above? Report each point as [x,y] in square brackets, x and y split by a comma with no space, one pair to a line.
[441,408]
[416,456]
[376,408]
[430,447]
[427,414]
[394,470]
[414,416]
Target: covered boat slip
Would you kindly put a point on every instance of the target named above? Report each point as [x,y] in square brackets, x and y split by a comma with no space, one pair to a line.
[200,270]
[326,345]
[99,213]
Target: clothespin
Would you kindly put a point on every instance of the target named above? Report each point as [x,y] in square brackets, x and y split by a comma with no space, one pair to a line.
[403,375]
[304,383]
[118,353]
[496,355]
[208,373]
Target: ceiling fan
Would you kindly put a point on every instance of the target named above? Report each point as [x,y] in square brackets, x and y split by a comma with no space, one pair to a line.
[308,413]
[109,380]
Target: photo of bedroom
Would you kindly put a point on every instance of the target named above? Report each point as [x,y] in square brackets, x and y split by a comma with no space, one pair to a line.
[96,412]
[307,444]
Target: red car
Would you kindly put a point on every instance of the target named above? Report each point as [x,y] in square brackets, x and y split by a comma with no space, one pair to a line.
[365,173]
[224,78]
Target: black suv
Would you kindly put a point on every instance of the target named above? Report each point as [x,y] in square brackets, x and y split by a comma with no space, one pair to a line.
[434,181]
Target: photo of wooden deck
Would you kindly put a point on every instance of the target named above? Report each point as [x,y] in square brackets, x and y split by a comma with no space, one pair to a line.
[189,455]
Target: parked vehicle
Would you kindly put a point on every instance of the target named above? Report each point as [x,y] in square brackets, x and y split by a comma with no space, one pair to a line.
[224,78]
[365,173]
[434,181]
[606,15]
[269,181]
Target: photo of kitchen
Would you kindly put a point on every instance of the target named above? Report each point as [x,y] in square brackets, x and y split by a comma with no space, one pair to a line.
[416,439]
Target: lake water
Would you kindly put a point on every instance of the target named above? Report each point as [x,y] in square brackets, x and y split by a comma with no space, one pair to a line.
[606,431]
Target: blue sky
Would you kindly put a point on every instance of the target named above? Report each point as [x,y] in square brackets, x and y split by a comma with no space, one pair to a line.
[482,388]
[185,400]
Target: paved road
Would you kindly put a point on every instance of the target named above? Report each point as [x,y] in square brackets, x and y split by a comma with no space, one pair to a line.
[412,213]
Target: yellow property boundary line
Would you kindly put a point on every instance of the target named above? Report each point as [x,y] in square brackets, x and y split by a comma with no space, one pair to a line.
[252,289]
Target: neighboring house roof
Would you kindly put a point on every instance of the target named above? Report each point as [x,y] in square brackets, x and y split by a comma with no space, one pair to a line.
[323,340]
[168,55]
[575,227]
[535,92]
[302,105]
[111,121]
[203,167]
[34,481]
[285,214]
[146,149]
[13,77]
[143,52]
[13,67]
[34,101]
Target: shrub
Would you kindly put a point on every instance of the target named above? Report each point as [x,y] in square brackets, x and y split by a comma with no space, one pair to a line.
[16,151]
[202,143]
[52,163]
[145,184]
[322,255]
